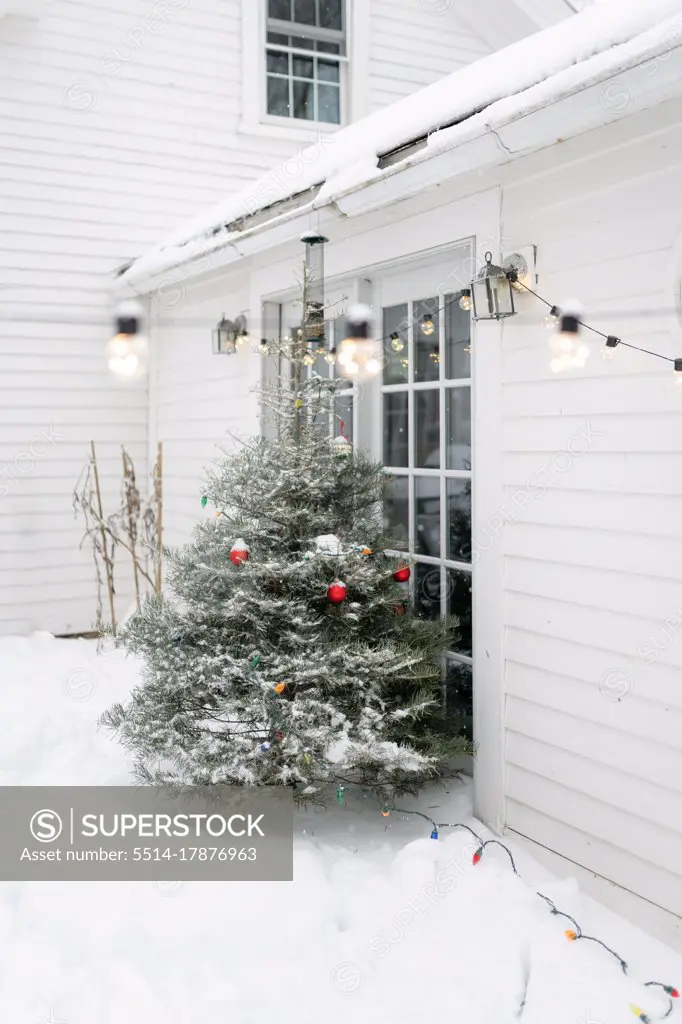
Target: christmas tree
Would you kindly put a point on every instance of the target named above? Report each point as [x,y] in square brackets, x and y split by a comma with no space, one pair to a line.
[285,650]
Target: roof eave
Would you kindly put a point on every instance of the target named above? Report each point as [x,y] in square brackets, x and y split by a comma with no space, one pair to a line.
[484,142]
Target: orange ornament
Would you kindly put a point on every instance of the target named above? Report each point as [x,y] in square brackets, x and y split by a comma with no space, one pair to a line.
[280,688]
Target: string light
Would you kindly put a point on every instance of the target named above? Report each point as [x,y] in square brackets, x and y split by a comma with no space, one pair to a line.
[566,346]
[466,302]
[552,318]
[608,351]
[610,340]
[575,933]
[397,343]
[427,326]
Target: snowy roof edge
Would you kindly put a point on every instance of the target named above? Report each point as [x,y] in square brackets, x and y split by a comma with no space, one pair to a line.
[353,158]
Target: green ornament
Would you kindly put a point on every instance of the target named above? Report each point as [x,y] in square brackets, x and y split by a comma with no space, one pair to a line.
[204,501]
[255,661]
[341,796]
[307,759]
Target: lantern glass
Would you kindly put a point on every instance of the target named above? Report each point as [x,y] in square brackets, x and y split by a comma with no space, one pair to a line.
[225,338]
[492,293]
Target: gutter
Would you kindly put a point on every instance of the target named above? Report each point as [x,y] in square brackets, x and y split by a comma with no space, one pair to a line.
[497,136]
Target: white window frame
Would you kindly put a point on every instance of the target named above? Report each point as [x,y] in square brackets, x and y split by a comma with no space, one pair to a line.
[407,285]
[354,75]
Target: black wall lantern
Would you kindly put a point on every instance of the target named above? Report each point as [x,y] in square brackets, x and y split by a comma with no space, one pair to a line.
[492,291]
[228,335]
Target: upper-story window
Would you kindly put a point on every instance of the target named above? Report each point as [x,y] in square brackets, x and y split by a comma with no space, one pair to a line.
[306,54]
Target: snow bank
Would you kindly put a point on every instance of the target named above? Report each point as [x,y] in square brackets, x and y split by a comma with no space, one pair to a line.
[348,158]
[382,924]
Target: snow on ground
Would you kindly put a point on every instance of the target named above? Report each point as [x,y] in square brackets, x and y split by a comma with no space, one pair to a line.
[380,924]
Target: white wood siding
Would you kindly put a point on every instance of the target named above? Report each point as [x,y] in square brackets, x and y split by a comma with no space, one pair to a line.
[199,401]
[593,566]
[117,121]
[413,44]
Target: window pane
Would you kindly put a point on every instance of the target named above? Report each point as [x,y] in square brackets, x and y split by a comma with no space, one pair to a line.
[397,511]
[427,429]
[459,606]
[278,63]
[327,71]
[303,67]
[426,340]
[280,9]
[395,430]
[395,350]
[331,14]
[459,697]
[427,515]
[275,37]
[328,47]
[457,339]
[304,106]
[427,591]
[302,43]
[278,97]
[459,520]
[328,104]
[458,428]
[304,11]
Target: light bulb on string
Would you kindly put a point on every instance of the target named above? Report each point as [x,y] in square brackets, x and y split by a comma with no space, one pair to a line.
[128,350]
[609,348]
[466,302]
[308,359]
[552,318]
[677,371]
[427,326]
[567,348]
[360,353]
[397,343]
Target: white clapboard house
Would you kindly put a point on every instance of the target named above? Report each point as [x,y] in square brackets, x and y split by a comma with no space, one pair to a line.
[550,502]
[119,118]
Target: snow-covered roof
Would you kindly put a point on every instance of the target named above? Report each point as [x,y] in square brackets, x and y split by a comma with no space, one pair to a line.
[605,36]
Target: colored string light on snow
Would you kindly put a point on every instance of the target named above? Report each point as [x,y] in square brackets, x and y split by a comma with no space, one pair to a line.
[341,796]
[574,934]
[280,688]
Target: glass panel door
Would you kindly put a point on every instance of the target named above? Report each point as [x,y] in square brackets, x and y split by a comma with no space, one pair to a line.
[426,445]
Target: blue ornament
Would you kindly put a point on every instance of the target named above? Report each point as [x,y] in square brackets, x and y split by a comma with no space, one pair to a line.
[434,834]
[265,746]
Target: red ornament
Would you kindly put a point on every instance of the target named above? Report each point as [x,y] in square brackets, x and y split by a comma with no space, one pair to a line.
[240,552]
[403,574]
[337,592]
[399,609]
[477,856]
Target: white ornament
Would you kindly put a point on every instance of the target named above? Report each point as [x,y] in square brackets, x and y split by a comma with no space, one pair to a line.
[328,544]
[342,445]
